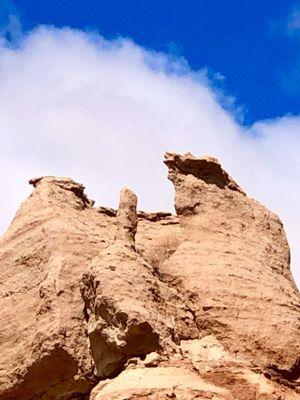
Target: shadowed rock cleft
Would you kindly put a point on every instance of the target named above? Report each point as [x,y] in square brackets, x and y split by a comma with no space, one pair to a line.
[206,168]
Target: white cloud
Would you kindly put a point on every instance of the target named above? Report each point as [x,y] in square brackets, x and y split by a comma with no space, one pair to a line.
[104,112]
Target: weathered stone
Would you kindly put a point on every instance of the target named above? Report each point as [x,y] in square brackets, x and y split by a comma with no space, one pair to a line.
[234,258]
[127,216]
[198,305]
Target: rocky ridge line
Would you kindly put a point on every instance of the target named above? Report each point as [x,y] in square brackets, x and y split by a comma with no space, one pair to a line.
[105,304]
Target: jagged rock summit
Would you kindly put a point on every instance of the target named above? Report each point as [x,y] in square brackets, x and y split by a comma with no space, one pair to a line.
[102,304]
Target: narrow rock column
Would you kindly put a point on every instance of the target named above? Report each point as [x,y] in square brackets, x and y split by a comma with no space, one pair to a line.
[127,216]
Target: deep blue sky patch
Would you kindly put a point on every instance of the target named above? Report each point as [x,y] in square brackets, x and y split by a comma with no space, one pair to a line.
[253,44]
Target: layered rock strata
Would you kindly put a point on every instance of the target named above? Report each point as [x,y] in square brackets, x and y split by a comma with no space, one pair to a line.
[101,304]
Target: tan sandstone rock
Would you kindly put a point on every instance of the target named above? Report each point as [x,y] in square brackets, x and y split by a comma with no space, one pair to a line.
[235,259]
[136,305]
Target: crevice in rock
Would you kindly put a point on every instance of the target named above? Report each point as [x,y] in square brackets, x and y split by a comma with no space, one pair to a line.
[154,216]
[39,382]
[110,357]
[208,169]
[187,210]
[288,377]
[185,302]
[110,212]
[114,337]
[88,288]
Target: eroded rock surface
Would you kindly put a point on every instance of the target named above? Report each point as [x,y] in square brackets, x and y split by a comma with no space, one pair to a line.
[125,303]
[235,259]
[101,304]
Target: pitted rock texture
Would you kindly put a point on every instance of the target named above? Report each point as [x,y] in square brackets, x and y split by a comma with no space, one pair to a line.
[235,258]
[101,304]
[125,302]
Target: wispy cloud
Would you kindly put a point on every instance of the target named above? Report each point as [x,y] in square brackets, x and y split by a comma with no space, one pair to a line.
[104,112]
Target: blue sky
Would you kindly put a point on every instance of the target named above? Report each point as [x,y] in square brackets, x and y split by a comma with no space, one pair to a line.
[249,43]
[99,90]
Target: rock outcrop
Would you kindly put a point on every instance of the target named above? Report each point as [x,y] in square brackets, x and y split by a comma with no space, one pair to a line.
[101,304]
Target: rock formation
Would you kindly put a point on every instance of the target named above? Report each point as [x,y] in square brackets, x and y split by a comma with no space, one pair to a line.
[102,304]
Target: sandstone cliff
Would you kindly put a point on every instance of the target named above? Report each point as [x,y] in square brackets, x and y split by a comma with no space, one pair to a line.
[101,304]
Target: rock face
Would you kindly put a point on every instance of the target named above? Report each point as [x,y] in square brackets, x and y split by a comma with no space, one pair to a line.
[101,304]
